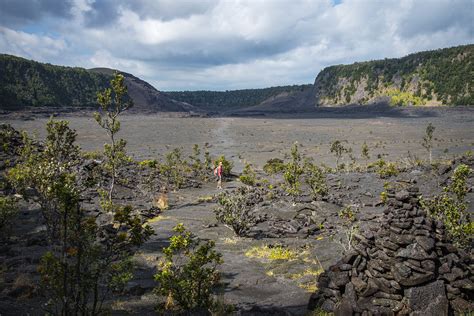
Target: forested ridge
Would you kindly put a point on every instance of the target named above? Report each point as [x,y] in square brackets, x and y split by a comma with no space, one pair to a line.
[443,76]
[25,83]
[231,99]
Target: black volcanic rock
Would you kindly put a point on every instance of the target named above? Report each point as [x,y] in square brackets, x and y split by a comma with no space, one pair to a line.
[416,271]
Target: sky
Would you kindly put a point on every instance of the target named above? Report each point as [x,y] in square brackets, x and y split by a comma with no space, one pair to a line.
[225,44]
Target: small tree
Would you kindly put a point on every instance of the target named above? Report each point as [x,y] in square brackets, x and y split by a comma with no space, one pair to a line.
[188,274]
[428,140]
[293,172]
[338,149]
[235,209]
[315,179]
[365,151]
[112,103]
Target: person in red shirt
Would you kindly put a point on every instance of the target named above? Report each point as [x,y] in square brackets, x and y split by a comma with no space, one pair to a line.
[218,172]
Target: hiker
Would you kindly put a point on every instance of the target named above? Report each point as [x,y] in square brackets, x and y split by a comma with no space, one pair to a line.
[218,172]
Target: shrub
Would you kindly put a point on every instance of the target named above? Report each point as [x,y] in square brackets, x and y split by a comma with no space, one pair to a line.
[274,166]
[293,172]
[248,176]
[188,273]
[315,179]
[400,98]
[338,149]
[349,228]
[50,172]
[384,169]
[451,209]
[227,165]
[199,168]
[365,151]
[92,155]
[235,209]
[149,163]
[174,169]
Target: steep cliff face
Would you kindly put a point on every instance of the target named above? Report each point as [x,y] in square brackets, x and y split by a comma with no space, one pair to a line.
[440,77]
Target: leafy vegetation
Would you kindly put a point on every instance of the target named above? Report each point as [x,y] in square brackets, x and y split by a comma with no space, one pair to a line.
[112,103]
[399,98]
[315,179]
[271,252]
[273,166]
[174,169]
[188,274]
[384,169]
[235,209]
[451,208]
[28,83]
[218,100]
[248,175]
[444,75]
[293,172]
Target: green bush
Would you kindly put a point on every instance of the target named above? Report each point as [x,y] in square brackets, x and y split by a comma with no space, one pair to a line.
[188,274]
[274,166]
[235,209]
[399,98]
[315,179]
[150,163]
[174,169]
[451,208]
[384,169]
[227,165]
[248,176]
[293,172]
[92,155]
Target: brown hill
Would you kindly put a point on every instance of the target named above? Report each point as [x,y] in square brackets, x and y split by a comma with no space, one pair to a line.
[146,98]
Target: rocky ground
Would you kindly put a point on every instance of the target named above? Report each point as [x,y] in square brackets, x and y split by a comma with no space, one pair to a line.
[311,229]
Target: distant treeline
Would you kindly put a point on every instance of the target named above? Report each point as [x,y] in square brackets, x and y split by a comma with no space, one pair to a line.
[28,83]
[446,75]
[218,100]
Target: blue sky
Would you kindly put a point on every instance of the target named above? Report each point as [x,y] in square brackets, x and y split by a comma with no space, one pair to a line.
[224,44]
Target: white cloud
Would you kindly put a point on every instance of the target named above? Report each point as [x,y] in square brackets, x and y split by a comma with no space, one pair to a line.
[249,43]
[38,47]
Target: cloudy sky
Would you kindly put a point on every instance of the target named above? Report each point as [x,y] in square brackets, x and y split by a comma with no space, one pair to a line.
[224,44]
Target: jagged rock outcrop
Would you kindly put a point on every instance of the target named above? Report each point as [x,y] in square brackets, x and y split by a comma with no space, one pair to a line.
[402,265]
